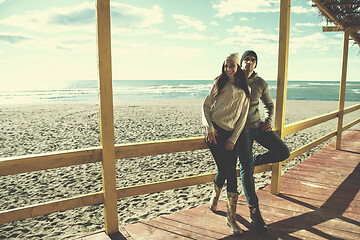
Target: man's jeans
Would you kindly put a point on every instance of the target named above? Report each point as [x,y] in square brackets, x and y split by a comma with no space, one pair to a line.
[277,152]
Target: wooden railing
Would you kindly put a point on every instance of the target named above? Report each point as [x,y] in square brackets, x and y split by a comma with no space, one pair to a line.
[24,164]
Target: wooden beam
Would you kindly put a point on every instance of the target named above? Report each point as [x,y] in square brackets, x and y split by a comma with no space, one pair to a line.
[342,90]
[44,161]
[41,209]
[352,108]
[159,147]
[351,124]
[301,125]
[106,116]
[309,146]
[333,17]
[338,4]
[165,185]
[333,29]
[176,183]
[281,86]
[339,28]
[342,4]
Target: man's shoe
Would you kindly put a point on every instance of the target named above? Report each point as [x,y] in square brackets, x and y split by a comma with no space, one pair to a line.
[257,221]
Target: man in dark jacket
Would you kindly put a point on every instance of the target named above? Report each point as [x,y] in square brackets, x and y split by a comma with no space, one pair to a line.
[260,131]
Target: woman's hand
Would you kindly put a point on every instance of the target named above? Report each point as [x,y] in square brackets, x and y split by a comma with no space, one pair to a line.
[211,137]
[229,145]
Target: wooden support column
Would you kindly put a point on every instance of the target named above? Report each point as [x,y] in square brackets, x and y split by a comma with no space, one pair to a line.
[342,90]
[281,86]
[106,116]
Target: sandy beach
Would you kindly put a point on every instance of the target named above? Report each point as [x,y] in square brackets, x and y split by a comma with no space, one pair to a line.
[40,128]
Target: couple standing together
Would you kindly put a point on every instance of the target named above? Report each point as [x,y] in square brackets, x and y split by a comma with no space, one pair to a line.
[232,122]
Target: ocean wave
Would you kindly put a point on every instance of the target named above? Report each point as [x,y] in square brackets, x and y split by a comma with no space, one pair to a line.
[324,84]
[38,96]
[295,86]
[164,89]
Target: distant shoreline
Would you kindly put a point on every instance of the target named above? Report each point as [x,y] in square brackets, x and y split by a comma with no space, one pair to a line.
[83,91]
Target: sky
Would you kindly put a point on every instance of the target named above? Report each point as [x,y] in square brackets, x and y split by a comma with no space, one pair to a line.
[51,40]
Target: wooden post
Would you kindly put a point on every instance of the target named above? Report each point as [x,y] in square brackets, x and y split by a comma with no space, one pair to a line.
[342,90]
[281,86]
[106,116]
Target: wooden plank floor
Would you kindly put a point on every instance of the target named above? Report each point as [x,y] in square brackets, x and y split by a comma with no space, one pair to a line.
[319,199]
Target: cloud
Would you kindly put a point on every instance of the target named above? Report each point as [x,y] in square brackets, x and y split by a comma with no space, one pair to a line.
[188,36]
[229,7]
[80,15]
[75,43]
[213,23]
[317,41]
[83,18]
[157,61]
[13,38]
[187,22]
[300,9]
[127,16]
[308,24]
[80,43]
[55,19]
[247,37]
[72,29]
[2,1]
[135,31]
[152,53]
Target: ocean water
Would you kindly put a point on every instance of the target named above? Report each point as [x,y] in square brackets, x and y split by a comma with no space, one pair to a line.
[87,90]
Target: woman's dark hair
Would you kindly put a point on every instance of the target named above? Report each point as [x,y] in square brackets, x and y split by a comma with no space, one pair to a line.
[241,81]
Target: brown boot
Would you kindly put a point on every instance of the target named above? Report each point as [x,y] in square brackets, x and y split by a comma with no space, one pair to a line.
[231,213]
[214,198]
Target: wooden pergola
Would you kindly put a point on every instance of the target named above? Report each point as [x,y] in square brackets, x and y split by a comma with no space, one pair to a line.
[345,15]
[331,9]
[107,152]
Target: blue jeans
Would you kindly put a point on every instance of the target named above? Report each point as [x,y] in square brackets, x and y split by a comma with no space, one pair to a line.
[225,160]
[277,152]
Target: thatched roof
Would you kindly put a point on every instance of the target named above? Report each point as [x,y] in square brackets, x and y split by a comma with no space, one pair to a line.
[345,14]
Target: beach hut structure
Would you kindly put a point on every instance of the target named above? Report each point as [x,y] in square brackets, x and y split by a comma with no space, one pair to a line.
[345,16]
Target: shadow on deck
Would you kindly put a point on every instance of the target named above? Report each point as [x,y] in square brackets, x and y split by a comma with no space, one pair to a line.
[319,199]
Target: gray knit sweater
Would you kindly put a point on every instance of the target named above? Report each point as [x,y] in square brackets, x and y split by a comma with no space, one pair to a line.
[259,90]
[228,110]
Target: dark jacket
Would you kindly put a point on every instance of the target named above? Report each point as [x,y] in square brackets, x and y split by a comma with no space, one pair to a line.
[259,90]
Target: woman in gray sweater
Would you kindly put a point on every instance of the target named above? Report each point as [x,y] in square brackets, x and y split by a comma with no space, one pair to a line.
[260,131]
[224,113]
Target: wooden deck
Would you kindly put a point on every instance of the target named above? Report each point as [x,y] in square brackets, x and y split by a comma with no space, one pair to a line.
[319,199]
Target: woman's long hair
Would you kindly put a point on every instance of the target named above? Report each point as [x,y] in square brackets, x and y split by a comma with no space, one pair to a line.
[240,78]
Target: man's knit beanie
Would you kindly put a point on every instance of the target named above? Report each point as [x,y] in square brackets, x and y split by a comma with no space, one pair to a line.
[235,57]
[251,53]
